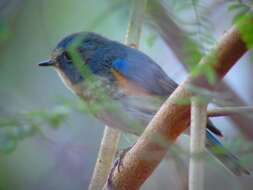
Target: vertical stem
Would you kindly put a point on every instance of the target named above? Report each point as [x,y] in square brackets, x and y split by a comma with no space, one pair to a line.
[111,137]
[135,23]
[106,155]
[197,144]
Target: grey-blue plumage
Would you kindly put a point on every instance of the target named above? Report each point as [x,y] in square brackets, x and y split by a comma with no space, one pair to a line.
[133,81]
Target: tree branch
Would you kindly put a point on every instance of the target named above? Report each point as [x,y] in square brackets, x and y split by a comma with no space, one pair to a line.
[173,118]
[175,37]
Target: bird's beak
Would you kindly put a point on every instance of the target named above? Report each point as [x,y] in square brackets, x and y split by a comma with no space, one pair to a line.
[46,63]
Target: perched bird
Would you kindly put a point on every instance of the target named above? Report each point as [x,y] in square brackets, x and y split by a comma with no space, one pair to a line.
[122,86]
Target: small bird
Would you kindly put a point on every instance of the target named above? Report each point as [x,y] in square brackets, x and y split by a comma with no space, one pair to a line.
[122,86]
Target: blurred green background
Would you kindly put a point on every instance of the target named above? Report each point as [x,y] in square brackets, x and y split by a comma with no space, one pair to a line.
[61,152]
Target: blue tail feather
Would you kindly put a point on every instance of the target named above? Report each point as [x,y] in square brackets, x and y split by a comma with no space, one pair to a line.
[230,161]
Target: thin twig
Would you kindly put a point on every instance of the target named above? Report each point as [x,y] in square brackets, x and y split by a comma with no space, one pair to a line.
[197,144]
[111,137]
[242,122]
[135,23]
[228,111]
[173,118]
[106,155]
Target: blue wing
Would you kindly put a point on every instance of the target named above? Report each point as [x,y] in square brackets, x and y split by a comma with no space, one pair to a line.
[143,71]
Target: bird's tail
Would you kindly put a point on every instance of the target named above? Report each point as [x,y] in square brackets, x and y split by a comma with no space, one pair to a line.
[230,161]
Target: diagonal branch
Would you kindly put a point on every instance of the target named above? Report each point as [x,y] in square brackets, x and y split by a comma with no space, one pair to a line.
[175,37]
[173,118]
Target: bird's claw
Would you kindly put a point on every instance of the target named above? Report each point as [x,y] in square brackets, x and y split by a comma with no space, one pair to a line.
[118,163]
[122,155]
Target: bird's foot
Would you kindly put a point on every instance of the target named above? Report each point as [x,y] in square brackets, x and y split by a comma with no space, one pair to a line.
[118,164]
[122,155]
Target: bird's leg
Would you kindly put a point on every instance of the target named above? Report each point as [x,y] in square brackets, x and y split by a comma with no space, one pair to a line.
[118,163]
[122,154]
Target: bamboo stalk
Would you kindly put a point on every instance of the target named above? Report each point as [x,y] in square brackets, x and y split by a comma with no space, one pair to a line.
[111,137]
[197,144]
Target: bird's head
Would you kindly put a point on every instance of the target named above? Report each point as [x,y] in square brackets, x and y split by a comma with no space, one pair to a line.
[84,45]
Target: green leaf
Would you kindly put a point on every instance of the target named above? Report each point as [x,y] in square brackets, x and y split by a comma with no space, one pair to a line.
[207,69]
[4,32]
[245,26]
[195,2]
[7,145]
[8,141]
[240,14]
[235,6]
[180,5]
[8,122]
[57,116]
[151,39]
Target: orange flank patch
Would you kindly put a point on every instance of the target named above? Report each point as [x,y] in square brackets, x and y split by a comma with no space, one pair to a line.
[129,87]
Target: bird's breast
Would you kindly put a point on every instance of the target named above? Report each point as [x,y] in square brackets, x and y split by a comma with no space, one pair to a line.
[77,89]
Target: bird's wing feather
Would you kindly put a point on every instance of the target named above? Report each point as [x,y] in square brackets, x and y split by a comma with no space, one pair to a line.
[142,76]
[144,72]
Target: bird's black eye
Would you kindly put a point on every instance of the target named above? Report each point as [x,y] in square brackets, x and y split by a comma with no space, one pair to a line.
[66,56]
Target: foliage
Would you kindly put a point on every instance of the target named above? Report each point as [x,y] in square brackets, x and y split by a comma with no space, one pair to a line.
[239,8]
[4,32]
[243,19]
[16,128]
[198,39]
